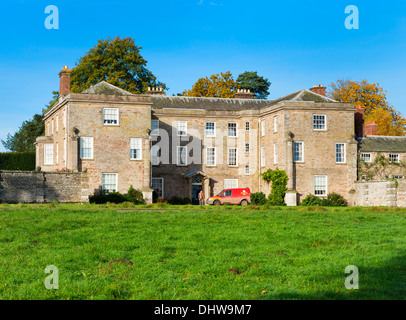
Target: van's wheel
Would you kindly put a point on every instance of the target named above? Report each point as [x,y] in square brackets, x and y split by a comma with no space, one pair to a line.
[216,203]
[244,203]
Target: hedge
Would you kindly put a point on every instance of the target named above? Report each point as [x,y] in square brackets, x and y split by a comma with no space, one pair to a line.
[22,161]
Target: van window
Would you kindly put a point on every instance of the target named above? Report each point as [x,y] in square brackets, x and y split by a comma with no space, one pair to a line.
[227,193]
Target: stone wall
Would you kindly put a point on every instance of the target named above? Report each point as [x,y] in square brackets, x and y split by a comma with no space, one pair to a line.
[379,193]
[40,187]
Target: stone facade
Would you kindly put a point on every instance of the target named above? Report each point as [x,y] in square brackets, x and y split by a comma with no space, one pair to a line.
[40,187]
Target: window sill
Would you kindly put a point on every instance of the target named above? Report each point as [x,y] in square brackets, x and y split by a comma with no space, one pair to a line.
[111,125]
[135,159]
[87,159]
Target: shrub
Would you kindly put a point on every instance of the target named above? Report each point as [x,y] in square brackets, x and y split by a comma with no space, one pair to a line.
[258,198]
[179,201]
[311,201]
[162,201]
[279,181]
[23,161]
[336,200]
[133,196]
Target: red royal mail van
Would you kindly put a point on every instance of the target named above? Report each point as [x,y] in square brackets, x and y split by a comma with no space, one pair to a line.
[237,196]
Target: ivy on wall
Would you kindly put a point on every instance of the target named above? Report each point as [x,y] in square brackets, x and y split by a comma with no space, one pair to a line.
[279,181]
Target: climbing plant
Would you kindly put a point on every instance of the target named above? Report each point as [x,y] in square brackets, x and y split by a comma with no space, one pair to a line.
[279,181]
[379,168]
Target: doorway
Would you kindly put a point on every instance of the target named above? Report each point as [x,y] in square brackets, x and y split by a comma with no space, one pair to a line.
[197,186]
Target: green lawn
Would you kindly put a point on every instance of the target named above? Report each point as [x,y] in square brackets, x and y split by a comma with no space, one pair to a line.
[173,252]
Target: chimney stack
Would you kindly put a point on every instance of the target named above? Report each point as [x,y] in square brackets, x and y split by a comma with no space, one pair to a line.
[319,89]
[158,91]
[371,129]
[359,120]
[244,94]
[64,81]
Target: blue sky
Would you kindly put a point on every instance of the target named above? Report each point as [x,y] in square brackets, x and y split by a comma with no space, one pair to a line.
[295,44]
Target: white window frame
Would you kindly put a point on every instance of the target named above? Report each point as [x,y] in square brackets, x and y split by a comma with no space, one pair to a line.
[179,125]
[57,122]
[263,157]
[344,156]
[52,126]
[362,156]
[301,151]
[162,184]
[117,114]
[206,130]
[275,124]
[154,129]
[214,157]
[275,153]
[178,156]
[326,186]
[82,141]
[236,157]
[263,129]
[396,155]
[48,154]
[57,153]
[134,143]
[230,181]
[247,148]
[247,170]
[325,122]
[103,181]
[247,126]
[236,129]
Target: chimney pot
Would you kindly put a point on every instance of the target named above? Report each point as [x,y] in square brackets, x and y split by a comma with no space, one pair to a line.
[319,89]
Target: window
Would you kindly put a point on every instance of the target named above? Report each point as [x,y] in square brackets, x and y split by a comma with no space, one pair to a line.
[393,157]
[135,148]
[232,129]
[263,157]
[275,153]
[52,126]
[211,156]
[247,170]
[57,123]
[155,155]
[227,193]
[48,154]
[86,148]
[363,177]
[397,177]
[275,124]
[57,153]
[210,129]
[366,157]
[298,151]
[158,186]
[263,128]
[340,153]
[49,132]
[247,148]
[182,128]
[64,118]
[110,116]
[154,127]
[319,122]
[230,183]
[232,156]
[247,126]
[109,182]
[182,156]
[320,185]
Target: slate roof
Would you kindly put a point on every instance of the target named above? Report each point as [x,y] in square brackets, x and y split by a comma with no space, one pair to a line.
[107,89]
[382,144]
[303,95]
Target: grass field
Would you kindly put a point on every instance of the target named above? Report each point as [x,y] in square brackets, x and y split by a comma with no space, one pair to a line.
[170,252]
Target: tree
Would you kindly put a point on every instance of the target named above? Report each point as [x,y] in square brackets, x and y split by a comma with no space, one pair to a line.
[220,85]
[23,140]
[55,97]
[255,83]
[116,61]
[372,97]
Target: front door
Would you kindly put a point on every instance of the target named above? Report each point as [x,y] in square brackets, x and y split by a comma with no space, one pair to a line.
[195,193]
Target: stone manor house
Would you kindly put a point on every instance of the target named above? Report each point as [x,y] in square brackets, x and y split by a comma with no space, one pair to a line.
[180,145]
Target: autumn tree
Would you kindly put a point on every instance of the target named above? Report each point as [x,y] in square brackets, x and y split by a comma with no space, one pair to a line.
[116,61]
[220,85]
[372,97]
[255,83]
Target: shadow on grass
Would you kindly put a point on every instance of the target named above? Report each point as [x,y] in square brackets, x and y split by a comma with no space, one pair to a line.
[387,282]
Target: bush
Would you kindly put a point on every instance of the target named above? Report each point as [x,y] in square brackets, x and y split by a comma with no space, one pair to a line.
[279,181]
[258,198]
[23,161]
[132,195]
[179,201]
[312,201]
[336,200]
